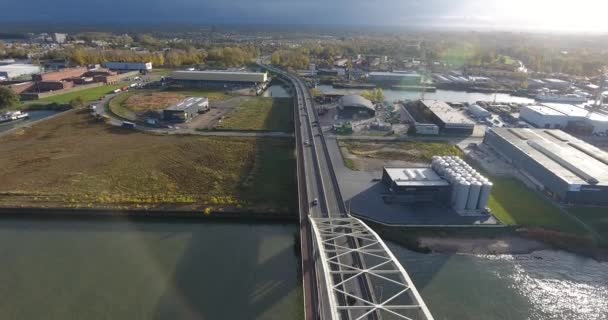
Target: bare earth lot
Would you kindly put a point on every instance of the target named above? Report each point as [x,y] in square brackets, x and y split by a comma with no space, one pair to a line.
[370,156]
[71,161]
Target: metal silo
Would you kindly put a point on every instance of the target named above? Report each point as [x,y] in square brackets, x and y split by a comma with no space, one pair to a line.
[461,195]
[474,195]
[484,196]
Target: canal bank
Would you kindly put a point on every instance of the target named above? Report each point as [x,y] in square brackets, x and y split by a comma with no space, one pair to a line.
[142,215]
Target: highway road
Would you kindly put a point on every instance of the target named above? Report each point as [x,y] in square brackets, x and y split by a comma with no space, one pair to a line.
[323,201]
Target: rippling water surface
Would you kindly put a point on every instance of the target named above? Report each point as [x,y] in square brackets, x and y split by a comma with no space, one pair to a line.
[541,286]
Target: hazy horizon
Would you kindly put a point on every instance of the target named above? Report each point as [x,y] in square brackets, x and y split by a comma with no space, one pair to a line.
[535,15]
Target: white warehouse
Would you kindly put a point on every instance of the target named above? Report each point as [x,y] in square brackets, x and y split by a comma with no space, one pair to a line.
[15,70]
[561,116]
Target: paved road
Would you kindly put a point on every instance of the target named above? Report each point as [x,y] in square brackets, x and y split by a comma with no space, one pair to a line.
[321,185]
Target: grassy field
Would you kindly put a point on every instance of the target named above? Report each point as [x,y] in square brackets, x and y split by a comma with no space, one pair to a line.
[118,106]
[515,204]
[89,95]
[152,101]
[71,161]
[406,151]
[133,104]
[597,218]
[269,114]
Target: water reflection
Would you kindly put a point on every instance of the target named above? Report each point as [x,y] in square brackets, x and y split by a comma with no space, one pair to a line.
[541,286]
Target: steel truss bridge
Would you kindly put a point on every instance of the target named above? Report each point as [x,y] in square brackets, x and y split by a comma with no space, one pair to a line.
[348,272]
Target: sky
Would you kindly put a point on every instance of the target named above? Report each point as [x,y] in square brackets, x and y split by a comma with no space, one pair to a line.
[545,15]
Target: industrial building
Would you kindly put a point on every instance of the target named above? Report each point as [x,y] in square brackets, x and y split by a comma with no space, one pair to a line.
[129,66]
[419,124]
[565,168]
[395,78]
[412,185]
[221,79]
[60,75]
[355,106]
[565,116]
[447,119]
[186,109]
[449,182]
[15,70]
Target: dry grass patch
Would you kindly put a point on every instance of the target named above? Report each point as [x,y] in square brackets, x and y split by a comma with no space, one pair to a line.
[70,161]
[152,101]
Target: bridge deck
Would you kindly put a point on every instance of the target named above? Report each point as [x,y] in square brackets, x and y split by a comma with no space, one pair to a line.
[345,247]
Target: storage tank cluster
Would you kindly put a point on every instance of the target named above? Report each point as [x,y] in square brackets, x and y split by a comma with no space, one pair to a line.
[470,190]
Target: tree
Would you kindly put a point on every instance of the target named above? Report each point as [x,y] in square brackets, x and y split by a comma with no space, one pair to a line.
[376,95]
[8,98]
[77,103]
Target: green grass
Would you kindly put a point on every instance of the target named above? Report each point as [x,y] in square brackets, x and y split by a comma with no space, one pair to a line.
[259,113]
[117,106]
[349,163]
[88,95]
[597,218]
[272,175]
[513,203]
[407,151]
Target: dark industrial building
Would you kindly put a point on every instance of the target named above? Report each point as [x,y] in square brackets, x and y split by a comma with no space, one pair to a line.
[129,66]
[354,106]
[186,110]
[411,185]
[565,168]
[449,120]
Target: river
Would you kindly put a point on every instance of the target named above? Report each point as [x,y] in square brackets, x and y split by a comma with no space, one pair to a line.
[545,285]
[57,269]
[100,269]
[445,95]
[34,116]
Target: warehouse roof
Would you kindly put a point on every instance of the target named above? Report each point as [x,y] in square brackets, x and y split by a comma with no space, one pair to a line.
[544,110]
[571,159]
[568,109]
[446,113]
[415,177]
[228,76]
[17,69]
[356,101]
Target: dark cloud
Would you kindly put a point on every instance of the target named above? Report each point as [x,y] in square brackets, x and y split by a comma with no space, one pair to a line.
[483,13]
[384,12]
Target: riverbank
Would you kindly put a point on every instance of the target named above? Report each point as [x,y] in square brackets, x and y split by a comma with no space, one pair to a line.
[148,215]
[499,245]
[489,241]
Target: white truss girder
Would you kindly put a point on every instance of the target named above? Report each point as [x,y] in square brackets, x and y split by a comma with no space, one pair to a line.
[354,256]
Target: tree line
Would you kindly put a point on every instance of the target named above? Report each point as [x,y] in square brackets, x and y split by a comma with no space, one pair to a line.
[218,57]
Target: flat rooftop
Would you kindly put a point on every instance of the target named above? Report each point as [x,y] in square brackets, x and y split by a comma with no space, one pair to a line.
[544,110]
[415,177]
[187,103]
[446,113]
[564,155]
[568,109]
